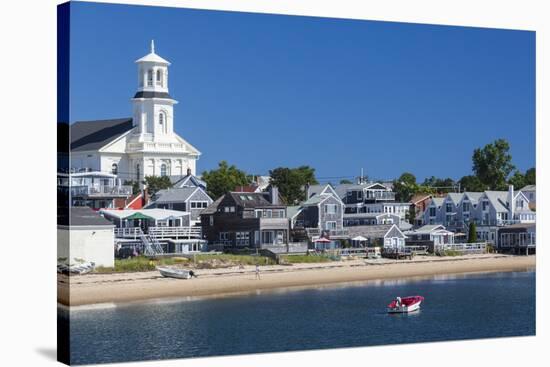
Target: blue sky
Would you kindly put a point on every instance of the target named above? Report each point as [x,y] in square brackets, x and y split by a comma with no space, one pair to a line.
[263,91]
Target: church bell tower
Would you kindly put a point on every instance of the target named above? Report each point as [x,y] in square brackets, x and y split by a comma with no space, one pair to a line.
[153,111]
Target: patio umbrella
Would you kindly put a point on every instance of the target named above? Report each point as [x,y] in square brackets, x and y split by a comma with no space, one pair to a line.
[138,215]
[323,240]
[359,238]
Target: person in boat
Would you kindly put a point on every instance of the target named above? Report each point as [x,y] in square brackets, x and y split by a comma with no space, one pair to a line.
[398,302]
[192,274]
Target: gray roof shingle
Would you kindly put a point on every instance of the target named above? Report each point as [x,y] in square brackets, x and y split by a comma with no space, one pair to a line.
[93,135]
[85,216]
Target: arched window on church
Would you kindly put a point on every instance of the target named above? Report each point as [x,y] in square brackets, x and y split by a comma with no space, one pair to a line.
[159,77]
[163,169]
[150,77]
[163,122]
[138,173]
[114,168]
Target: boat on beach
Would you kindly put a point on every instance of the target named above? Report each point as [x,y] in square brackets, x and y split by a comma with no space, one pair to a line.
[174,273]
[405,304]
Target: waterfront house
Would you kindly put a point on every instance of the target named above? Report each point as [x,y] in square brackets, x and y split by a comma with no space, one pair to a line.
[187,199]
[449,209]
[320,215]
[433,212]
[155,231]
[434,236]
[371,198]
[245,220]
[519,238]
[89,238]
[95,189]
[388,236]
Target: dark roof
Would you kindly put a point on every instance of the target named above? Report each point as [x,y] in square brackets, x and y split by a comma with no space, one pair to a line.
[252,200]
[93,135]
[213,208]
[84,216]
[152,95]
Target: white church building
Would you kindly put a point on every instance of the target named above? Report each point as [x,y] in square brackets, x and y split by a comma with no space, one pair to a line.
[143,145]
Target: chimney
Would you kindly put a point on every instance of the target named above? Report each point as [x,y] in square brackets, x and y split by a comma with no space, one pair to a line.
[306,189]
[511,202]
[188,171]
[274,195]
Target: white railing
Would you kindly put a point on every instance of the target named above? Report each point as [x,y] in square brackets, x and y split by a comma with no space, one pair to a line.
[132,232]
[156,146]
[470,248]
[176,232]
[101,190]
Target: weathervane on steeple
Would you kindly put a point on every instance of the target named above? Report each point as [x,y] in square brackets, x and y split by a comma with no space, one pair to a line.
[152,46]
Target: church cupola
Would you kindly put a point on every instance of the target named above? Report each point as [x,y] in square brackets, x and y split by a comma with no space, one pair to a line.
[153,105]
[152,74]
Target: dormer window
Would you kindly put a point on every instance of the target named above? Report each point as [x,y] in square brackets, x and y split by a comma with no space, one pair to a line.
[150,77]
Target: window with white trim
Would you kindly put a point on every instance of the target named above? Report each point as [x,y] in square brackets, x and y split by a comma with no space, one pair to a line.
[331,208]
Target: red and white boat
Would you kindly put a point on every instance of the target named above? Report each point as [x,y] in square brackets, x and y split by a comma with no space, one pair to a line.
[405,304]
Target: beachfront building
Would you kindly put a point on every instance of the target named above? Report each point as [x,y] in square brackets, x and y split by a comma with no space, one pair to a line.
[519,238]
[187,199]
[434,236]
[419,203]
[489,210]
[320,215]
[89,238]
[138,146]
[95,189]
[154,231]
[246,220]
[366,200]
[387,236]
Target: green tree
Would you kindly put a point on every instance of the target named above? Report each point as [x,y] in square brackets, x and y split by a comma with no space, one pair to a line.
[405,187]
[224,179]
[440,185]
[134,184]
[411,214]
[530,177]
[471,183]
[156,183]
[291,182]
[472,233]
[345,181]
[492,164]
[517,179]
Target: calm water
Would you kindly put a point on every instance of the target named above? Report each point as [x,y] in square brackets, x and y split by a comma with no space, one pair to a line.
[462,307]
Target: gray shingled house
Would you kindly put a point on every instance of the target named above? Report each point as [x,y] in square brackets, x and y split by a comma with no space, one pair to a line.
[246,220]
[187,199]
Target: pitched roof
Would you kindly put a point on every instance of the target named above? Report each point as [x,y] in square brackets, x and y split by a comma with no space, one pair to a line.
[94,135]
[499,200]
[428,228]
[373,231]
[529,188]
[473,196]
[188,181]
[438,201]
[455,197]
[174,195]
[85,216]
[213,208]
[252,200]
[419,197]
[291,211]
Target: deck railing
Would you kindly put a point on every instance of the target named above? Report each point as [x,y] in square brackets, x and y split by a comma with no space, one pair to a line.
[101,190]
[176,232]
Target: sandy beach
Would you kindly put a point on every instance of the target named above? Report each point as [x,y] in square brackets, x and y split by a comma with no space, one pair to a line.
[126,287]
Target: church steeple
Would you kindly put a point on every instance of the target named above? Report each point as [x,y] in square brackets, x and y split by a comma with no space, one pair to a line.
[153,105]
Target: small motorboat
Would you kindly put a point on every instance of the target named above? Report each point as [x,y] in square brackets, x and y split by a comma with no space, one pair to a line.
[78,268]
[405,304]
[174,273]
